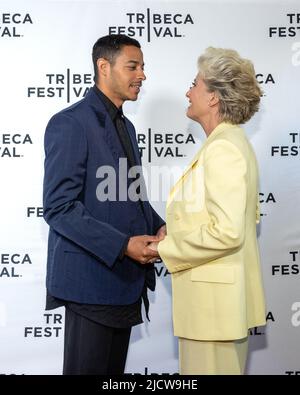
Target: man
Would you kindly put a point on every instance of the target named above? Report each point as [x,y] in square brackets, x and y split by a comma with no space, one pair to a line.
[99,263]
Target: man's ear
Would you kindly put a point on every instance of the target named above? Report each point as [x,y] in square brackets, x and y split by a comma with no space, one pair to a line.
[103,66]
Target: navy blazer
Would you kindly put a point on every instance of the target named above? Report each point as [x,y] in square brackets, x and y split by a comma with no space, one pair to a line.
[86,235]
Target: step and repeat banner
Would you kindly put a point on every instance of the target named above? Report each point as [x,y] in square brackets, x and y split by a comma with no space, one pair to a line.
[45,63]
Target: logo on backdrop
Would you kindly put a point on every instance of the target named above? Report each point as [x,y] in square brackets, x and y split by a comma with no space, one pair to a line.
[67,85]
[259,331]
[161,271]
[12,145]
[292,148]
[12,24]
[291,268]
[290,27]
[264,199]
[155,145]
[51,328]
[265,78]
[11,265]
[34,212]
[151,25]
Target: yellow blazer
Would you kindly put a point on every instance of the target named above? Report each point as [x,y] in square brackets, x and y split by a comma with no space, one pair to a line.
[211,247]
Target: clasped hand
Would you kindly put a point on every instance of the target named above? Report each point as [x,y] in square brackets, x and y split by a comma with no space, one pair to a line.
[144,248]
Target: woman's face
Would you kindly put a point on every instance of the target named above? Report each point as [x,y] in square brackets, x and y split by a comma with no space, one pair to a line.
[199,98]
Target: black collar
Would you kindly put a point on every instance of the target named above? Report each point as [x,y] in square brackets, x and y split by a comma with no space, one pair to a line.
[112,109]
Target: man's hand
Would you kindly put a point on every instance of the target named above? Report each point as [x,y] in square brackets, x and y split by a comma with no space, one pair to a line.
[153,246]
[161,234]
[137,249]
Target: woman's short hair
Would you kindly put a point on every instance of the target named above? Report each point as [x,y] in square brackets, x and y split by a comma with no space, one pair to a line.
[234,81]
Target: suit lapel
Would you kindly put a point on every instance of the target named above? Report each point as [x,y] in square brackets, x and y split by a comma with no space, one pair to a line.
[218,130]
[112,139]
[178,184]
[134,144]
[109,131]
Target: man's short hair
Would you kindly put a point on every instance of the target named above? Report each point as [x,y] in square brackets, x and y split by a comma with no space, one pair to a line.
[108,47]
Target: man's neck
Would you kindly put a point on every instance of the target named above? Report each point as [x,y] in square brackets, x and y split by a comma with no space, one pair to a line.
[117,102]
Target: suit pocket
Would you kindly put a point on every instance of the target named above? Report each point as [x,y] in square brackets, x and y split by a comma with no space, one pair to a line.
[214,274]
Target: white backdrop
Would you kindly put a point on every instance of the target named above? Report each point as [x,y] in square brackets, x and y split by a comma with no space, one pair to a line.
[45,52]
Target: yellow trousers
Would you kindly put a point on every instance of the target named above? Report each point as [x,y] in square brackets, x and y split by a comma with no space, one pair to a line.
[212,358]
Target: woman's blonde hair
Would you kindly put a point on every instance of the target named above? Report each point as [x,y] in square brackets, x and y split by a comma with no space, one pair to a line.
[234,81]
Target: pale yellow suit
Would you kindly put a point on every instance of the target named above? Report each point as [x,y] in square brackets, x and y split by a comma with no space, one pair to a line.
[211,246]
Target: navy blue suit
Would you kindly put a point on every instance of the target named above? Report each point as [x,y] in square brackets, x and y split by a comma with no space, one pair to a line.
[86,235]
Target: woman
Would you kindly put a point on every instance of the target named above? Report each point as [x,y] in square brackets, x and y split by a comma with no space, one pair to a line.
[211,247]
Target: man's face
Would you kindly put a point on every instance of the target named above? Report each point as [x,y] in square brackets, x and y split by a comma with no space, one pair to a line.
[124,78]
